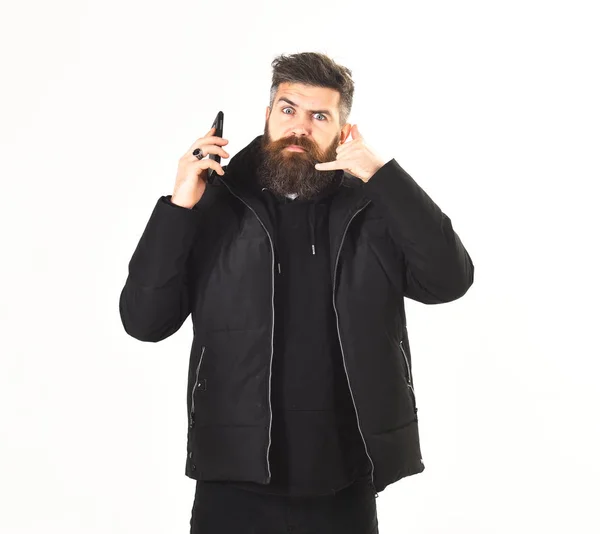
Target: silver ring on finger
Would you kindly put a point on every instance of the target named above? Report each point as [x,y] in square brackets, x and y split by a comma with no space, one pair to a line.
[198,153]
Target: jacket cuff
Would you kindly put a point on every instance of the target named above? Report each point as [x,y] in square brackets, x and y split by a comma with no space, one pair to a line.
[206,200]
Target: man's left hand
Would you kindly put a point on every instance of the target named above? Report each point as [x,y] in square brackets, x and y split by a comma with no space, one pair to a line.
[355,157]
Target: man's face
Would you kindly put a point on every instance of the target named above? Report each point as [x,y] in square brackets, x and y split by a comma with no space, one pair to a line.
[306,116]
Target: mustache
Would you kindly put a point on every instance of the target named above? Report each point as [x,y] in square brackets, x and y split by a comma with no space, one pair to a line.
[298,141]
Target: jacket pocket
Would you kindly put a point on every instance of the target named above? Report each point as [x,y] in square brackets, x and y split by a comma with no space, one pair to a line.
[408,376]
[198,384]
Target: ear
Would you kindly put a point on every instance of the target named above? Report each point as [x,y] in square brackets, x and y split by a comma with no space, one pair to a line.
[267,113]
[345,132]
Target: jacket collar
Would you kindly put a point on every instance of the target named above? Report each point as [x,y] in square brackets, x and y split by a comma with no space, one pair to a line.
[240,178]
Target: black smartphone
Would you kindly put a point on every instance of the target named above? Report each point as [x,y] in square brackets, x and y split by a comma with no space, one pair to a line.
[218,124]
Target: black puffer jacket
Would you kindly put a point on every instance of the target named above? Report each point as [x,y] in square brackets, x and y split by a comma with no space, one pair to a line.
[316,447]
[387,240]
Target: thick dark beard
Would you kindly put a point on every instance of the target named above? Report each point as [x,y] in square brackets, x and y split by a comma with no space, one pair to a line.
[286,172]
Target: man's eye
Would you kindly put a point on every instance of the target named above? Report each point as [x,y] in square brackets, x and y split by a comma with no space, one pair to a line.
[320,114]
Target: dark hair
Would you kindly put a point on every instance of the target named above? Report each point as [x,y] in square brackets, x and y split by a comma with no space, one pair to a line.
[314,68]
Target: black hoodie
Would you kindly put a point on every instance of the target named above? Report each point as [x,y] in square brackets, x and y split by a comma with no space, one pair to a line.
[316,446]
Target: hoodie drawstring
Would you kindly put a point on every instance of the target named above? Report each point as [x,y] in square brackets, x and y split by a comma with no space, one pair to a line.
[311,223]
[275,213]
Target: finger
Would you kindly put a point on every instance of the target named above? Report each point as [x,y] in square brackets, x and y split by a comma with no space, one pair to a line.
[355,133]
[211,164]
[209,149]
[329,165]
[213,139]
[213,149]
[197,142]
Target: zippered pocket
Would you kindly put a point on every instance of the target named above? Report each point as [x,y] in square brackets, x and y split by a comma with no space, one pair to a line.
[196,385]
[408,377]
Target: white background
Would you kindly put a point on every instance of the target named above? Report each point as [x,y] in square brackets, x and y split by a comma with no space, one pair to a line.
[492,107]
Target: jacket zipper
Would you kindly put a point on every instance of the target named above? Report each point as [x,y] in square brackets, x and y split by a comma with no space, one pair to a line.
[193,409]
[409,379]
[342,348]
[272,318]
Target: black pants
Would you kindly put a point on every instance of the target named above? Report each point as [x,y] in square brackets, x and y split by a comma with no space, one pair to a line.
[224,509]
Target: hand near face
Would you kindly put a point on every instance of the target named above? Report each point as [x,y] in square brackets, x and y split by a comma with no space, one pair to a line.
[355,157]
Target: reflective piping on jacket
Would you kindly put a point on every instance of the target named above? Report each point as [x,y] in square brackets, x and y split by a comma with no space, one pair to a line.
[407,365]
[409,380]
[196,382]
[342,348]
[273,316]
[311,223]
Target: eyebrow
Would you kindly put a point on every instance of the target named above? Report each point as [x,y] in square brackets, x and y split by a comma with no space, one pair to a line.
[323,111]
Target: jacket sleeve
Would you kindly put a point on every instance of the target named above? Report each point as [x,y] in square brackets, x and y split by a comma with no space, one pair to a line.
[437,266]
[155,300]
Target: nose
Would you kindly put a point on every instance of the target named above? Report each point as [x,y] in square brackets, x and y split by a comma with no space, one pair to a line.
[299,130]
[301,127]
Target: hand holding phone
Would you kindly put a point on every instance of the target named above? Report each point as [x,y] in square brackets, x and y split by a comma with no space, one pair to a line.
[193,173]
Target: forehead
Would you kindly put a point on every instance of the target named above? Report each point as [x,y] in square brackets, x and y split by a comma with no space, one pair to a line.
[309,96]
